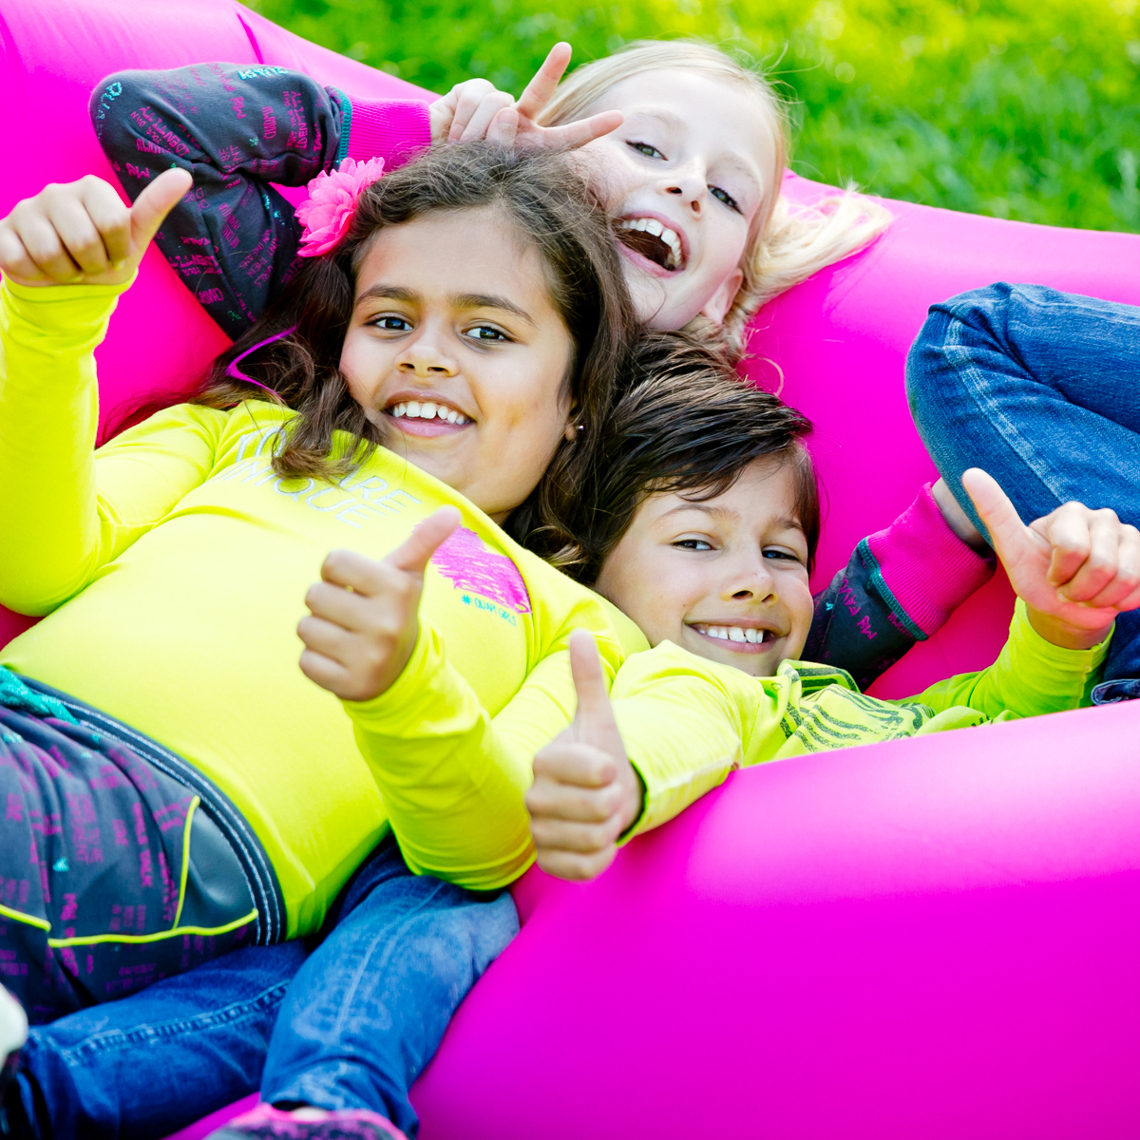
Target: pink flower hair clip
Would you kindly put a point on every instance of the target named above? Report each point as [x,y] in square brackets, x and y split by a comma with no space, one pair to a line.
[327,212]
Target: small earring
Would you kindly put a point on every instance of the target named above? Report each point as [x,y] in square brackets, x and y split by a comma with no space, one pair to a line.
[581,427]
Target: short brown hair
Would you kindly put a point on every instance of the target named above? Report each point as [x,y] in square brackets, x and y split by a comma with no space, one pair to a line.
[690,425]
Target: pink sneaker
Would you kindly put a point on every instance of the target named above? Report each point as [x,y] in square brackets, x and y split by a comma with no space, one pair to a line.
[268,1123]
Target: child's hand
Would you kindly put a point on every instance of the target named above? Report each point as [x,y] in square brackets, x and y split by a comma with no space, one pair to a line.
[364,622]
[585,792]
[1075,569]
[465,113]
[475,110]
[81,233]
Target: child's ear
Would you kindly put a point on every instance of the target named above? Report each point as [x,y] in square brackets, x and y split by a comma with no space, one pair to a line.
[721,301]
[573,426]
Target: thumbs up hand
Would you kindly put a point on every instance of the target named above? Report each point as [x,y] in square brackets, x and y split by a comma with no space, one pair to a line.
[81,233]
[364,614]
[586,793]
[1075,569]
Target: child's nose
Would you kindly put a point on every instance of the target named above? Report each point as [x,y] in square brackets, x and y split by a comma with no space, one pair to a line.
[689,185]
[425,359]
[751,582]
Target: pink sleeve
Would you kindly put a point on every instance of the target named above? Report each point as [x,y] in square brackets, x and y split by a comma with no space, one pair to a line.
[392,129]
[924,567]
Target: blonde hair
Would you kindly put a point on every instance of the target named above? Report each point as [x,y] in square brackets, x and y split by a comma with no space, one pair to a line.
[788,243]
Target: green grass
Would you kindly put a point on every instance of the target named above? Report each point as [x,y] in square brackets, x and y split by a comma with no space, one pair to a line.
[1018,108]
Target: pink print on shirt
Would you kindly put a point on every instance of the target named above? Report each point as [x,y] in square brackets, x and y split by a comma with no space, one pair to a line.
[466,560]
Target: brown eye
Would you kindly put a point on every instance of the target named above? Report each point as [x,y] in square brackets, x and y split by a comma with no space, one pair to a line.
[390,323]
[487,333]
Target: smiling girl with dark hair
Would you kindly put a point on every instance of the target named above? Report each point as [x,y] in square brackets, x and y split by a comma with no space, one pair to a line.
[452,345]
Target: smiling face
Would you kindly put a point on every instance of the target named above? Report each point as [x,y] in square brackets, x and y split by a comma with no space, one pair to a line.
[456,349]
[726,578]
[686,176]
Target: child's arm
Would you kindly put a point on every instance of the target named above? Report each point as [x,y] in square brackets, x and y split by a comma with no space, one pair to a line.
[1074,571]
[453,777]
[689,721]
[900,586]
[65,509]
[233,240]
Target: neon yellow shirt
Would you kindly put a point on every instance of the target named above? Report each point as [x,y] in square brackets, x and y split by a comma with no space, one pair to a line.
[687,722]
[173,563]
[699,720]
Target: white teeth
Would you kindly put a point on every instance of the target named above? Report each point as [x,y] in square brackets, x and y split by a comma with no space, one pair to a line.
[735,633]
[428,410]
[654,227]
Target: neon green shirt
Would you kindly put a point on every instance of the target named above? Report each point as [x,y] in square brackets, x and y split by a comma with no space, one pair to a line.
[699,720]
[687,722]
[172,565]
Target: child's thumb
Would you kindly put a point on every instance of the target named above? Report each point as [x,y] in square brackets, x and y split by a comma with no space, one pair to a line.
[594,721]
[995,510]
[155,202]
[413,555]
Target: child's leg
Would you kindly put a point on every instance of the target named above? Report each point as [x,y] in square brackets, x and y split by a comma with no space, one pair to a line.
[160,1059]
[368,1009]
[1040,389]
[119,864]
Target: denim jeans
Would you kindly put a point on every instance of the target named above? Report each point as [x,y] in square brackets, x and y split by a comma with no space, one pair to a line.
[351,1025]
[1042,390]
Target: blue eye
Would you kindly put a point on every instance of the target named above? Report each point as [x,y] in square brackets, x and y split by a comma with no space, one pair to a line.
[390,323]
[786,555]
[725,197]
[645,149]
[693,544]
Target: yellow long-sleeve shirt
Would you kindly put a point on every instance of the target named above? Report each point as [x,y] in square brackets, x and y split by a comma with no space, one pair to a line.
[173,563]
[687,722]
[172,566]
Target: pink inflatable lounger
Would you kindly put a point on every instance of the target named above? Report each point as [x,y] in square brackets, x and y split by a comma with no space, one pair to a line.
[932,938]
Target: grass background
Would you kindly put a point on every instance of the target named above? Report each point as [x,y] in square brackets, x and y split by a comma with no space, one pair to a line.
[1016,108]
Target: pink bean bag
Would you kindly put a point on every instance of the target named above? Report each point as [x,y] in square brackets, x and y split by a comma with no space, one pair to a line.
[932,938]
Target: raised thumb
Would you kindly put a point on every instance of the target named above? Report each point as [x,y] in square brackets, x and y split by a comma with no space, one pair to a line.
[594,721]
[161,195]
[994,509]
[414,553]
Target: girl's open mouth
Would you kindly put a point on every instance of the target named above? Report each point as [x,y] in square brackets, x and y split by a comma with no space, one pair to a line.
[652,241]
[426,417]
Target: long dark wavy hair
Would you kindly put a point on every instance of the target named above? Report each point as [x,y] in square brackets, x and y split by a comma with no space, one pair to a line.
[553,210]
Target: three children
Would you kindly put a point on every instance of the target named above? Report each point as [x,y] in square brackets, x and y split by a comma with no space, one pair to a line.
[487,386]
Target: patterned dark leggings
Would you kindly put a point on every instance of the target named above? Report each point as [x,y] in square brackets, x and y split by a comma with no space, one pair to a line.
[119,863]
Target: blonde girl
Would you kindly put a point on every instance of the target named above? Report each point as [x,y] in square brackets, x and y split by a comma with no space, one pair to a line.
[686,147]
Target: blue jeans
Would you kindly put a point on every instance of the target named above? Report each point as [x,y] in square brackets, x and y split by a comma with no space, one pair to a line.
[351,1025]
[1042,390]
